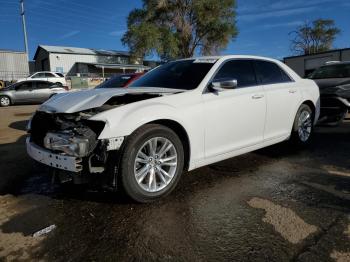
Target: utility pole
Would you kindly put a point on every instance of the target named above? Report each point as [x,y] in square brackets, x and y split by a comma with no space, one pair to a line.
[24,29]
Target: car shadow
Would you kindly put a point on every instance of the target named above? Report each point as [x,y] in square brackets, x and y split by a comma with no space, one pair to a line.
[19,125]
[15,165]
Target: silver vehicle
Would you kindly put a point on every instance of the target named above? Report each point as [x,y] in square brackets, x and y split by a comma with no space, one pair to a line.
[29,92]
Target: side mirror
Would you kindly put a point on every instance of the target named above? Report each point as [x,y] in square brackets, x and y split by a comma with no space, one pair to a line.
[224,85]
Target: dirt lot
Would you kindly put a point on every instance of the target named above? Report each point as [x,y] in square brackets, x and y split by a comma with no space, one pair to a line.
[276,204]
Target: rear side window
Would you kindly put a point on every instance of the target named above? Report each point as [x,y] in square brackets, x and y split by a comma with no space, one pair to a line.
[241,70]
[60,75]
[42,85]
[49,75]
[39,75]
[270,73]
[332,71]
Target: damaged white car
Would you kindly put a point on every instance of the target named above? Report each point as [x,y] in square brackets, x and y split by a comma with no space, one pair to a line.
[180,116]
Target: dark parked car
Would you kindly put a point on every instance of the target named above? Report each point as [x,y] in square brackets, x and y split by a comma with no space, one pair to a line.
[334,83]
[120,80]
[29,92]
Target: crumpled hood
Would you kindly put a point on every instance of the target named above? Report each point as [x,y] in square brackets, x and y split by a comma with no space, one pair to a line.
[72,102]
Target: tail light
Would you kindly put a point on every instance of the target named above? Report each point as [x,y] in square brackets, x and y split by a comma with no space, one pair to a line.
[66,88]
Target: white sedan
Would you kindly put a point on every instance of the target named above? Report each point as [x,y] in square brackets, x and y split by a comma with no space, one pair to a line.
[53,77]
[180,116]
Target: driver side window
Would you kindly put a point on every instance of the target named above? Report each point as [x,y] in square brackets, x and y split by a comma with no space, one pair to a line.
[24,86]
[241,70]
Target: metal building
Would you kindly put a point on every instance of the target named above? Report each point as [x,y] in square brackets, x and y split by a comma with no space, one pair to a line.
[86,62]
[13,65]
[306,64]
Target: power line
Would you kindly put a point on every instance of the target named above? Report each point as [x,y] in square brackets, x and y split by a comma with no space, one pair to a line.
[8,3]
[92,12]
[70,21]
[75,17]
[67,26]
[80,13]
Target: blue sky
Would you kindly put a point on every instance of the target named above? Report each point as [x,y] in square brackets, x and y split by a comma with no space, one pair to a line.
[263,24]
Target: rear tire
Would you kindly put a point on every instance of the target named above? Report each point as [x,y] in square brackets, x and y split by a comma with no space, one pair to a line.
[5,101]
[152,162]
[303,126]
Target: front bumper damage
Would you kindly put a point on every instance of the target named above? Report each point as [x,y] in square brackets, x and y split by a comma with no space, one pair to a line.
[69,144]
[60,161]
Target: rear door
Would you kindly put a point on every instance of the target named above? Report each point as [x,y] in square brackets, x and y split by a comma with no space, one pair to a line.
[42,91]
[282,98]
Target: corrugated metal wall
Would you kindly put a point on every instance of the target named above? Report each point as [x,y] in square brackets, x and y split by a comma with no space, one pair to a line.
[13,65]
[65,62]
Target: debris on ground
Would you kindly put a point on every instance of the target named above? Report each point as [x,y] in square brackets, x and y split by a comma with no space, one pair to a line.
[44,231]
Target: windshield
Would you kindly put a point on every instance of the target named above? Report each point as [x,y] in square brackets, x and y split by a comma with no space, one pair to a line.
[183,74]
[332,71]
[115,82]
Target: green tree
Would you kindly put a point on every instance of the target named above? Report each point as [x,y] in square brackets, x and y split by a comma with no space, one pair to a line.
[180,28]
[314,37]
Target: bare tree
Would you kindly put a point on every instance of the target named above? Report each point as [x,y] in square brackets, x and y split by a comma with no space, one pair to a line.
[314,37]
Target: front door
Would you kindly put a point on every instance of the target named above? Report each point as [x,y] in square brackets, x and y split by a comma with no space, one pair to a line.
[234,118]
[24,92]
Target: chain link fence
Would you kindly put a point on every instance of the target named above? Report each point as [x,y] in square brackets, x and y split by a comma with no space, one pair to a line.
[9,77]
[79,81]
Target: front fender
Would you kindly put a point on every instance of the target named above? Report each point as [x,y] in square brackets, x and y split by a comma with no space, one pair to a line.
[123,121]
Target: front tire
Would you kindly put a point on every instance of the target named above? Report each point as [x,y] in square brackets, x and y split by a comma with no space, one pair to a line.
[152,162]
[303,126]
[5,101]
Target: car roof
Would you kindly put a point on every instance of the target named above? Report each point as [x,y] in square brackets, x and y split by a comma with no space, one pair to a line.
[225,57]
[45,72]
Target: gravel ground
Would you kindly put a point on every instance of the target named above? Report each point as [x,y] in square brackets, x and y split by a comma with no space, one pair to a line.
[275,204]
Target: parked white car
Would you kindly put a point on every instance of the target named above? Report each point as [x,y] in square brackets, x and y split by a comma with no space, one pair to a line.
[53,77]
[180,116]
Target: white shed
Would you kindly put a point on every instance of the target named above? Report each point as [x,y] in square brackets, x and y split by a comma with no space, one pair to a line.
[76,61]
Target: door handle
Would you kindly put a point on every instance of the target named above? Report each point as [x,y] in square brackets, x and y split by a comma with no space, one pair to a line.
[258,96]
[292,91]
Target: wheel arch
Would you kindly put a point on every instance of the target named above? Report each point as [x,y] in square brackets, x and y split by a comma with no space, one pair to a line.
[181,132]
[312,106]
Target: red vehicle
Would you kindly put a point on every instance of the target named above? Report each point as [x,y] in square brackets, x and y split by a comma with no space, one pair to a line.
[120,80]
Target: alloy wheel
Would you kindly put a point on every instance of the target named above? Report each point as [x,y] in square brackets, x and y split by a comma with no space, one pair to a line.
[155,164]
[304,125]
[4,101]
